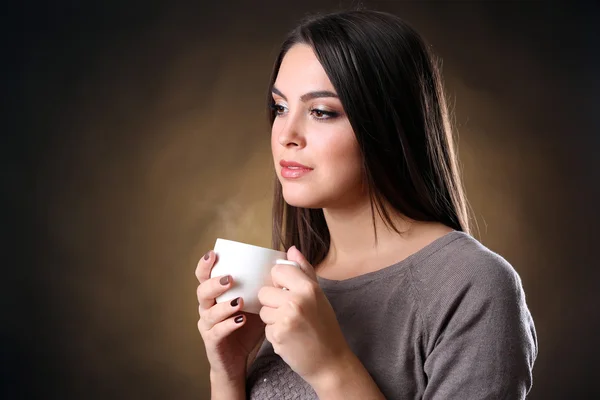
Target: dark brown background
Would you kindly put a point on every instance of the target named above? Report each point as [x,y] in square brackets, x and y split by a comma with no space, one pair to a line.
[135,134]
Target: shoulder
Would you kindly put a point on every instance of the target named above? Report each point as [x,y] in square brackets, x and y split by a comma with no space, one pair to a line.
[464,263]
[465,285]
[465,281]
[477,327]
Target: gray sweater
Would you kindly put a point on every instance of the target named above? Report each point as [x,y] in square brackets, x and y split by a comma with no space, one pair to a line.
[448,322]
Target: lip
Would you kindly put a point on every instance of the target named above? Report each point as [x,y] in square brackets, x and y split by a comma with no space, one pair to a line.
[293,164]
[293,170]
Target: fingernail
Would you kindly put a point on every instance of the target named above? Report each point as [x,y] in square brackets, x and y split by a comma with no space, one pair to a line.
[224,280]
[235,302]
[239,319]
[207,255]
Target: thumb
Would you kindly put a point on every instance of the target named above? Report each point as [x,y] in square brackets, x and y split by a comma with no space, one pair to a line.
[293,254]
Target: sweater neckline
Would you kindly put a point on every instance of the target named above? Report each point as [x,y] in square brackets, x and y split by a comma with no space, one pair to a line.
[333,285]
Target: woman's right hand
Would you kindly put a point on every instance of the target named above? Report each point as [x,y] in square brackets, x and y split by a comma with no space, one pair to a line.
[229,335]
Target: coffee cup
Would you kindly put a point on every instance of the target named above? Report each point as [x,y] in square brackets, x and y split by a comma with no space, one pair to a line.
[249,266]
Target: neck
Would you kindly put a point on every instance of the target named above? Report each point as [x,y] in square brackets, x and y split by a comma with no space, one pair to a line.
[352,238]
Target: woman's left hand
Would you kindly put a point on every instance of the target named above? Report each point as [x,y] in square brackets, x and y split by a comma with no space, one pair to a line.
[301,324]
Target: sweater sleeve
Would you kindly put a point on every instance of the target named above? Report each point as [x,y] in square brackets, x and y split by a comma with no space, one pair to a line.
[480,338]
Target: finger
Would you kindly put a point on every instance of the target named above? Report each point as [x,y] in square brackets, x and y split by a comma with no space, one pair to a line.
[273,297]
[223,329]
[293,254]
[212,288]
[219,312]
[204,266]
[268,315]
[273,336]
[226,327]
[292,278]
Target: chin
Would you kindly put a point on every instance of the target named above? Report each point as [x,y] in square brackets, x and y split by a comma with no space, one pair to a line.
[302,198]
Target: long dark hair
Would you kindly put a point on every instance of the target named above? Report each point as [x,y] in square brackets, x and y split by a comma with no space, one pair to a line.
[391,89]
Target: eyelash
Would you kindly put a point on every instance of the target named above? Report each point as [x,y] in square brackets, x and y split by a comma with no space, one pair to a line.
[326,115]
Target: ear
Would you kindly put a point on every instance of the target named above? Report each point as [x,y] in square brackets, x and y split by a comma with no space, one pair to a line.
[293,254]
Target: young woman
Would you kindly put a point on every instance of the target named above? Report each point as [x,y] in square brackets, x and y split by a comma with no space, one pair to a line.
[395,299]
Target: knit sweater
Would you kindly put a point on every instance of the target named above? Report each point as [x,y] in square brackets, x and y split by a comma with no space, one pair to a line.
[448,322]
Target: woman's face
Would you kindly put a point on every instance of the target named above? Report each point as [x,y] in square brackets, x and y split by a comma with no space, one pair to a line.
[315,152]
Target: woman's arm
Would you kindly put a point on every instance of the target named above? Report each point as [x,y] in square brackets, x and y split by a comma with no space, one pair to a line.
[348,380]
[222,388]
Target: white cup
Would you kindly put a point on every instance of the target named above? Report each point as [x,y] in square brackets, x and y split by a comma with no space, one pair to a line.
[249,266]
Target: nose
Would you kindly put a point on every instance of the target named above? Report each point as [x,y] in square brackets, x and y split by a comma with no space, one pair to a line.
[290,132]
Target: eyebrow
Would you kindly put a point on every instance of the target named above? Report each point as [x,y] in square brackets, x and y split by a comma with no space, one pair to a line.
[307,96]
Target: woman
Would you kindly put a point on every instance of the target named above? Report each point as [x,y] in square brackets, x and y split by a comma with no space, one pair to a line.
[395,299]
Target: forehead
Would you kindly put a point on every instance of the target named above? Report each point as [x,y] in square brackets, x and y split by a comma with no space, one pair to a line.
[301,70]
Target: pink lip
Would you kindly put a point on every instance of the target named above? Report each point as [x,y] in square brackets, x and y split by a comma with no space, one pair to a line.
[293,170]
[286,164]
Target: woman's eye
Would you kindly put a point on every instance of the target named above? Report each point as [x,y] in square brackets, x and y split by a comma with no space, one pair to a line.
[278,108]
[322,114]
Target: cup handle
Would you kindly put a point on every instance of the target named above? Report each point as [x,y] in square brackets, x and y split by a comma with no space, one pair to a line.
[287,262]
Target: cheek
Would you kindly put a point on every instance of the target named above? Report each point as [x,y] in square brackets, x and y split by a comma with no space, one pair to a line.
[341,147]
[343,158]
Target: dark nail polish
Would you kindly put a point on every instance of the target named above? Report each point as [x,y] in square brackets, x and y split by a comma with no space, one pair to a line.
[239,319]
[235,302]
[207,256]
[224,280]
